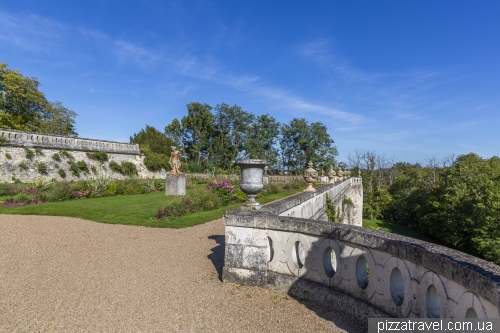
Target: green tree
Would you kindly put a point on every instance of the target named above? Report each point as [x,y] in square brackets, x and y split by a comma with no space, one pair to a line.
[261,142]
[156,141]
[232,125]
[57,119]
[198,129]
[24,107]
[301,143]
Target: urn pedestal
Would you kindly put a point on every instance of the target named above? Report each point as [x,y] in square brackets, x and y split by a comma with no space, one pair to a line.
[251,181]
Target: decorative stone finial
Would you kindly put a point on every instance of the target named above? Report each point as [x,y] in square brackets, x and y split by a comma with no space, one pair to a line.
[331,175]
[341,174]
[359,173]
[175,162]
[310,176]
[322,172]
[348,173]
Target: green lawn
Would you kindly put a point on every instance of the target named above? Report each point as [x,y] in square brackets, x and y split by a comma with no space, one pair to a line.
[137,209]
[395,228]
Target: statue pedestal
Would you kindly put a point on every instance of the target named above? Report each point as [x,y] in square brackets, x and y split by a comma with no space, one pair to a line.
[175,185]
[324,180]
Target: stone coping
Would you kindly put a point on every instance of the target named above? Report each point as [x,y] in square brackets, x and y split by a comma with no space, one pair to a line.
[285,204]
[251,161]
[49,141]
[478,275]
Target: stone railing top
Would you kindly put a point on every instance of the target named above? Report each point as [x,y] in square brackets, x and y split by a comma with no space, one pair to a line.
[285,204]
[478,275]
[28,139]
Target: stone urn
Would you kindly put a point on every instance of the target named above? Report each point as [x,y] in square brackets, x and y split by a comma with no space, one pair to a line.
[341,174]
[251,181]
[331,175]
[310,176]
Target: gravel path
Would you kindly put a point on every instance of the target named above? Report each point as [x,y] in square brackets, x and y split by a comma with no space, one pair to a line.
[60,274]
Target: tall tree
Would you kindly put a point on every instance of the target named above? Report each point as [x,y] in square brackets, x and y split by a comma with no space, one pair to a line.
[153,139]
[58,119]
[232,125]
[301,143]
[24,107]
[198,128]
[262,139]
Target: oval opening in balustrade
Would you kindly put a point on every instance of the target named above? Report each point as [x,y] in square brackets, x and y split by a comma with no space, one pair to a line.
[330,262]
[362,272]
[471,313]
[397,284]
[432,302]
[270,254]
[299,257]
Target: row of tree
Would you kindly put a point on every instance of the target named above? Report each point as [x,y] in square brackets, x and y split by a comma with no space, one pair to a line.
[455,201]
[217,137]
[23,107]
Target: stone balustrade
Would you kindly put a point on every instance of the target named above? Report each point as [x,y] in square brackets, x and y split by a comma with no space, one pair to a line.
[27,139]
[364,272]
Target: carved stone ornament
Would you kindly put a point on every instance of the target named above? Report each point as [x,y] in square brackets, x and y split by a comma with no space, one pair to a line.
[322,172]
[348,173]
[251,181]
[341,174]
[310,176]
[331,175]
[359,173]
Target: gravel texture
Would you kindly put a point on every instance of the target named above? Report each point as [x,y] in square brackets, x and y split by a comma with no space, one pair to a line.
[60,274]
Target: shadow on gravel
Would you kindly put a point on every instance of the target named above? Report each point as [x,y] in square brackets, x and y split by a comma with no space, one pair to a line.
[217,255]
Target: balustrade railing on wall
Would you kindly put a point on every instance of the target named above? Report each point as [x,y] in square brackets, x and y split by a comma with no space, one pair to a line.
[27,139]
[366,272]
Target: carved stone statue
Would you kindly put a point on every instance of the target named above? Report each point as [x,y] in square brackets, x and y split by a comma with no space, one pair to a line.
[359,173]
[310,176]
[175,162]
[331,175]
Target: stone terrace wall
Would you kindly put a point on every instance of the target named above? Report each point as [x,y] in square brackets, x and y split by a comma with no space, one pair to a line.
[50,144]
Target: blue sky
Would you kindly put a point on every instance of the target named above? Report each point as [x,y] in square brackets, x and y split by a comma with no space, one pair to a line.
[406,78]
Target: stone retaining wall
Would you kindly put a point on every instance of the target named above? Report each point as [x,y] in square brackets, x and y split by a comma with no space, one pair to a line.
[13,154]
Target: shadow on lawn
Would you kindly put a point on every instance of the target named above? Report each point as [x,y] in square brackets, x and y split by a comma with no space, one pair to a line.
[217,255]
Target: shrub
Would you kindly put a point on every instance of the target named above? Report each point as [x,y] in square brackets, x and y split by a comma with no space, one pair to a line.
[223,191]
[23,165]
[8,156]
[56,157]
[239,195]
[129,168]
[61,191]
[56,166]
[94,170]
[42,168]
[29,153]
[154,185]
[99,156]
[115,166]
[111,189]
[78,167]
[65,154]
[125,168]
[330,210]
[62,173]
[38,151]
[155,161]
